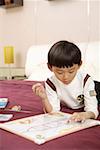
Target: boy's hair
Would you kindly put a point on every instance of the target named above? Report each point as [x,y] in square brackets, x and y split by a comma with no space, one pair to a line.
[64,54]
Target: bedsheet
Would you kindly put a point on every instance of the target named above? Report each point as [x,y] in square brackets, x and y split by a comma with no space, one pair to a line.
[20,93]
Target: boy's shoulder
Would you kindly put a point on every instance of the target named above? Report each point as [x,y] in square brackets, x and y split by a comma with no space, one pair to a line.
[54,79]
[82,73]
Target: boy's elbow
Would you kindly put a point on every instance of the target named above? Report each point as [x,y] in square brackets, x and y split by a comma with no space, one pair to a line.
[94,115]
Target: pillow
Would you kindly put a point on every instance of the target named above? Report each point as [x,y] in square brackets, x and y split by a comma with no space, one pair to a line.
[40,73]
[36,63]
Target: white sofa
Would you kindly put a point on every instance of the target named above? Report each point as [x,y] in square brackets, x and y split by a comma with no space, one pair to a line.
[36,61]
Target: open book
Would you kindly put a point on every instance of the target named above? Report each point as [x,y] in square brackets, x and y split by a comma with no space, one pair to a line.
[44,127]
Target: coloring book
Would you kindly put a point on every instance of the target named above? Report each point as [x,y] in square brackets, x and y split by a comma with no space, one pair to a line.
[44,127]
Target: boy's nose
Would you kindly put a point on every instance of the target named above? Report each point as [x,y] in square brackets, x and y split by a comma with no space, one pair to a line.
[65,76]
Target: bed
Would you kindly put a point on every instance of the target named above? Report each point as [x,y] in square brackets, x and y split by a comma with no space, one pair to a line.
[20,93]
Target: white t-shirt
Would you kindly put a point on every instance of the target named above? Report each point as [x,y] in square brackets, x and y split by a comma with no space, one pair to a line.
[73,93]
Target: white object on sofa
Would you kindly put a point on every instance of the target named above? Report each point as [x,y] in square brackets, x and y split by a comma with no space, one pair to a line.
[36,61]
[92,60]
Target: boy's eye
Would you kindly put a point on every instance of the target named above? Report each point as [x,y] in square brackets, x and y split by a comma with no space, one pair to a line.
[59,72]
[71,71]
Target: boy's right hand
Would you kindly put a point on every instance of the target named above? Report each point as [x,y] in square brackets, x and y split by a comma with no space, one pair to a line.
[39,90]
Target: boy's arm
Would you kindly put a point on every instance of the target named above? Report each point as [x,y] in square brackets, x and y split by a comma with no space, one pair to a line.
[47,108]
[39,90]
[90,101]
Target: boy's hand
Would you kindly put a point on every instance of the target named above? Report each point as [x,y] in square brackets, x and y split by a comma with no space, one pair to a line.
[39,90]
[81,116]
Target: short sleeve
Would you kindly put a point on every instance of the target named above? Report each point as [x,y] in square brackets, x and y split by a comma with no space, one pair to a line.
[90,100]
[52,97]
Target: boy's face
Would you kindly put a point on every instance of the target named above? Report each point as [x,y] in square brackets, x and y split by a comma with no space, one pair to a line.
[65,75]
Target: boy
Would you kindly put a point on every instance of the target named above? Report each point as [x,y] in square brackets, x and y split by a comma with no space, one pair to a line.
[68,85]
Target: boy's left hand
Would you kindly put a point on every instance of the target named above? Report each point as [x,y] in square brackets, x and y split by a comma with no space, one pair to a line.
[80,116]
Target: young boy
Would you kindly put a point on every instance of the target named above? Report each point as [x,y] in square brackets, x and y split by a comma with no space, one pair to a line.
[69,84]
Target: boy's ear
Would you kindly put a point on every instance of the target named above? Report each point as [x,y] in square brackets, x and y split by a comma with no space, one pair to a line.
[49,66]
[81,63]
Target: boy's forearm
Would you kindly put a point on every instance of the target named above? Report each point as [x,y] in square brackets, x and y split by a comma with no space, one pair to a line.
[46,105]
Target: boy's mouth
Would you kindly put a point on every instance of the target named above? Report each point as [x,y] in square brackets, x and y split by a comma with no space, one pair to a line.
[66,82]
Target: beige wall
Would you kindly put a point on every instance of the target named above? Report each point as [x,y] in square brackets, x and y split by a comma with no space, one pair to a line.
[43,22]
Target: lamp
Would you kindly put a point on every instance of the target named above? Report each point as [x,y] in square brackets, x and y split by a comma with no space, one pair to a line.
[9,58]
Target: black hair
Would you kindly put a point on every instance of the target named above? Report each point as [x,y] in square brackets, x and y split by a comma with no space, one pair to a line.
[64,54]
